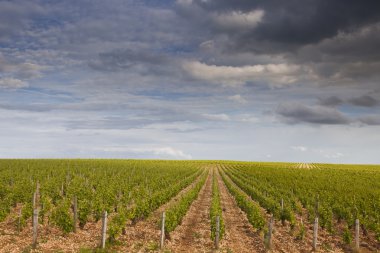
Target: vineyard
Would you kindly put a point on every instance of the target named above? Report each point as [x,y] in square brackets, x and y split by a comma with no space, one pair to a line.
[187,206]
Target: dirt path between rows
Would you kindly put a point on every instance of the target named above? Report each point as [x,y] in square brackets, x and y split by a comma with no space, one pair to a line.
[194,234]
[239,236]
[145,234]
[306,166]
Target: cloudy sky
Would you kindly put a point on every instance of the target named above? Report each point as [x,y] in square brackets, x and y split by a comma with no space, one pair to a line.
[191,79]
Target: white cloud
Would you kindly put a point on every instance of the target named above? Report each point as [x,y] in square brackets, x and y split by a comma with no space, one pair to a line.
[12,83]
[207,45]
[247,118]
[184,2]
[26,68]
[299,148]
[237,98]
[330,154]
[230,75]
[238,19]
[334,155]
[243,118]
[169,151]
[163,152]
[174,126]
[217,117]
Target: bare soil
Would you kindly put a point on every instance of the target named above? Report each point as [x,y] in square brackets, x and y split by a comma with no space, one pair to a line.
[50,239]
[239,236]
[194,234]
[304,166]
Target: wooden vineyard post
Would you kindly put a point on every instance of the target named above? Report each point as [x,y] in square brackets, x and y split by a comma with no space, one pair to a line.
[35,227]
[34,200]
[316,208]
[75,211]
[37,193]
[282,204]
[268,239]
[19,220]
[104,230]
[34,204]
[38,189]
[357,235]
[315,234]
[162,238]
[217,232]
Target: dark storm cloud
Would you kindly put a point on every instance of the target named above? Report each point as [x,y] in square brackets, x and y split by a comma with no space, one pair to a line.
[337,40]
[295,113]
[311,21]
[362,101]
[299,22]
[331,101]
[298,113]
[30,108]
[122,59]
[354,45]
[372,120]
[15,17]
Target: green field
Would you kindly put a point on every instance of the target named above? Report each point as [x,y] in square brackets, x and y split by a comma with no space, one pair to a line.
[131,190]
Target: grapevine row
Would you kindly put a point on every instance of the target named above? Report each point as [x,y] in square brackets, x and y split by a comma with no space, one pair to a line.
[140,211]
[129,188]
[270,204]
[175,213]
[252,210]
[216,210]
[334,193]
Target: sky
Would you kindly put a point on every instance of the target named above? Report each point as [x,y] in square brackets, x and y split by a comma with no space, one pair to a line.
[248,80]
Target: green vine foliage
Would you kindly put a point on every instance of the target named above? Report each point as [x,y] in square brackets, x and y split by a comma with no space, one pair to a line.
[62,217]
[175,213]
[216,210]
[254,215]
